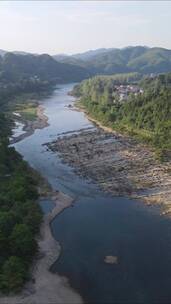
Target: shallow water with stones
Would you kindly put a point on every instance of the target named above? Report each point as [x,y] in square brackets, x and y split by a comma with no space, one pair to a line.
[99,225]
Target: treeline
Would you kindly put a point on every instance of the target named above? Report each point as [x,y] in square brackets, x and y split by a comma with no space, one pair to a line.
[140,59]
[9,91]
[20,214]
[100,89]
[147,116]
[16,67]
[34,73]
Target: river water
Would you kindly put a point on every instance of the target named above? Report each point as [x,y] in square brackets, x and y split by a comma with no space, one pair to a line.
[99,225]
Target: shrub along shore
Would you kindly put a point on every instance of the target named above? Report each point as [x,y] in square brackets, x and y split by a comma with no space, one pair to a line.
[129,154]
[20,214]
[146,117]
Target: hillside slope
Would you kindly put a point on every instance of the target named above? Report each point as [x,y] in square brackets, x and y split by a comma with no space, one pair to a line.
[130,59]
[146,116]
[14,67]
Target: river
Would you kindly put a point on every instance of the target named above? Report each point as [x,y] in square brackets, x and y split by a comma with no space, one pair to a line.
[99,225]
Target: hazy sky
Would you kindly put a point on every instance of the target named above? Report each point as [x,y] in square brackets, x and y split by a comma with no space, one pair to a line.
[75,26]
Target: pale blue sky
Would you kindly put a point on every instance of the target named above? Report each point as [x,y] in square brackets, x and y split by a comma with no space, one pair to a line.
[76,26]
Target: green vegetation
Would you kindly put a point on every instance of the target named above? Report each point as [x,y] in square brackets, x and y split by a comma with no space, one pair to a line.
[23,79]
[28,111]
[130,59]
[103,86]
[146,116]
[14,95]
[20,214]
[35,70]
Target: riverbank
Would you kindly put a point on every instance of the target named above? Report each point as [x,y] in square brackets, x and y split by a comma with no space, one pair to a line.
[30,126]
[46,287]
[118,164]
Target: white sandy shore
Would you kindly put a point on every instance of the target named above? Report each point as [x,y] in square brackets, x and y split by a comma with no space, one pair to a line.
[46,287]
[30,126]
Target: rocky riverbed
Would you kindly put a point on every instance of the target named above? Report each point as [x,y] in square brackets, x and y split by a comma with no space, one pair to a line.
[30,126]
[118,164]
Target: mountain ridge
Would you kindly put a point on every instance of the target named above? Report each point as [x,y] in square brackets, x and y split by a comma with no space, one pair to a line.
[15,67]
[140,59]
[63,67]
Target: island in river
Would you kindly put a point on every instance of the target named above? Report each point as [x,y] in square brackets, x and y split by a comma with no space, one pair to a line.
[97,226]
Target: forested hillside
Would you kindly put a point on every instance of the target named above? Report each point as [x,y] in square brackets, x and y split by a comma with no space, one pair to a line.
[32,73]
[20,215]
[16,67]
[146,116]
[62,68]
[130,59]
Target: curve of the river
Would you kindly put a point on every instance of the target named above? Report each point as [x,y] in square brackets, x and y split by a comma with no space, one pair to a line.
[99,225]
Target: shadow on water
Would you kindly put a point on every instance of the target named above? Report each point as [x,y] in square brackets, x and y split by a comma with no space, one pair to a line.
[99,225]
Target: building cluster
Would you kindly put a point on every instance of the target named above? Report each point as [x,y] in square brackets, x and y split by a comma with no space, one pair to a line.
[123,91]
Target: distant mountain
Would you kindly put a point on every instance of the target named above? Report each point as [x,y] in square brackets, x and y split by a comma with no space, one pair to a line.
[156,60]
[82,59]
[2,52]
[21,53]
[91,54]
[65,68]
[81,56]
[61,57]
[14,67]
[68,59]
[130,59]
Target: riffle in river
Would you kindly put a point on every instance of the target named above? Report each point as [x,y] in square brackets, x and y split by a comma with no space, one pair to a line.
[99,225]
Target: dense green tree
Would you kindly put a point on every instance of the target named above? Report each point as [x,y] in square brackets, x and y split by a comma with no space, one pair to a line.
[7,222]
[20,215]
[13,274]
[22,242]
[146,116]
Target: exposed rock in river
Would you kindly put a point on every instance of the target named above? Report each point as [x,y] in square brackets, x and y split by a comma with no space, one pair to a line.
[118,164]
[111,259]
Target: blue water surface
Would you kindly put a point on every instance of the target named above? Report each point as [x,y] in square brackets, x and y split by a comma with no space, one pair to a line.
[99,225]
